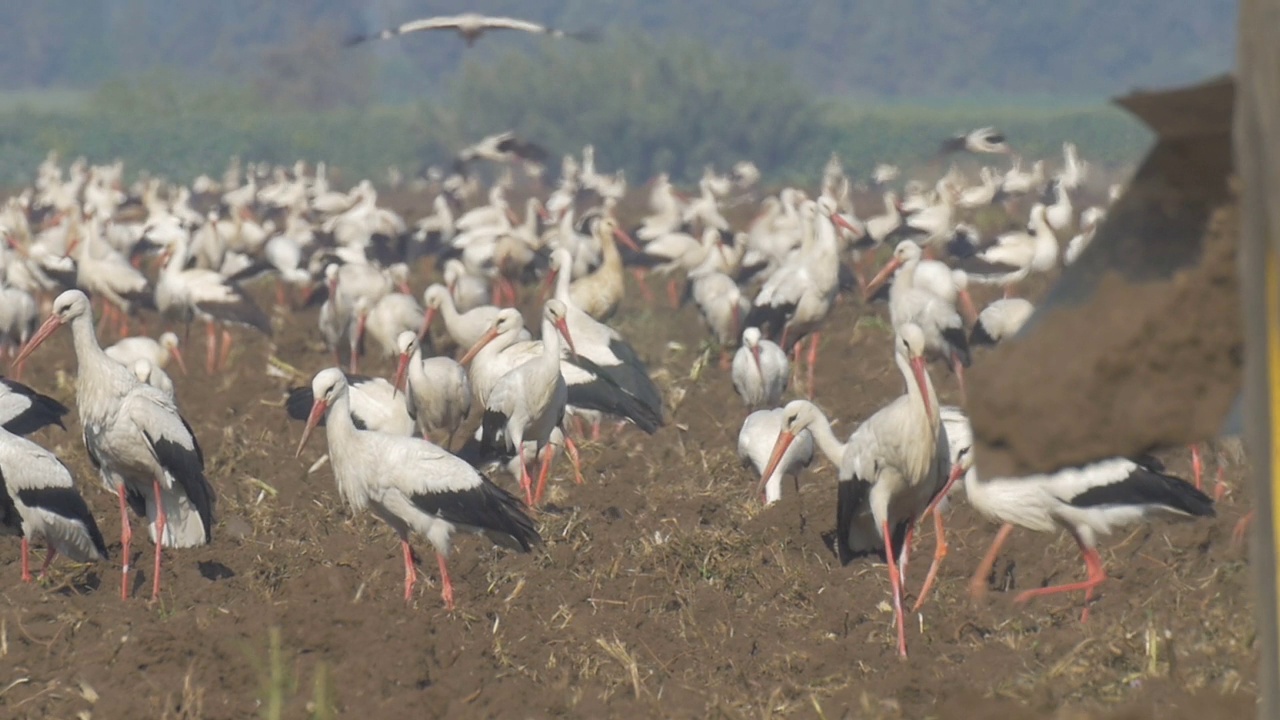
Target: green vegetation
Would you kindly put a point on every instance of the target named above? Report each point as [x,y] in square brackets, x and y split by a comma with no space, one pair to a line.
[648,108]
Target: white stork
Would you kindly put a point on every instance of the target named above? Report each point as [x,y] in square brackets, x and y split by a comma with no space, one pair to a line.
[39,501]
[145,451]
[890,468]
[412,485]
[529,401]
[128,351]
[151,374]
[760,370]
[603,352]
[198,294]
[465,328]
[1000,320]
[722,306]
[1087,502]
[982,140]
[755,445]
[943,327]
[438,393]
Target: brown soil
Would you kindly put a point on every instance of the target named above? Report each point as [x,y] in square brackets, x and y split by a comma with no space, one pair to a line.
[663,589]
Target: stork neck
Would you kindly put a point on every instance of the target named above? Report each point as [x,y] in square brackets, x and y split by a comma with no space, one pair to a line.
[916,398]
[564,279]
[825,437]
[550,357]
[341,433]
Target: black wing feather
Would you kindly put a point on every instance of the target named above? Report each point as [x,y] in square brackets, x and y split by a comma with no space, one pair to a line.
[485,507]
[43,411]
[66,502]
[1145,486]
[186,466]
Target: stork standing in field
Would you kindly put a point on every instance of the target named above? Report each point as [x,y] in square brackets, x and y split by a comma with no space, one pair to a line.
[39,501]
[722,306]
[412,485]
[1087,502]
[605,353]
[890,469]
[128,351]
[755,444]
[529,402]
[796,299]
[198,294]
[599,293]
[760,370]
[145,451]
[465,328]
[438,393]
[908,304]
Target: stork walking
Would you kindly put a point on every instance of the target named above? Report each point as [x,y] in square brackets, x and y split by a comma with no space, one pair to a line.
[144,449]
[412,485]
[890,468]
[39,501]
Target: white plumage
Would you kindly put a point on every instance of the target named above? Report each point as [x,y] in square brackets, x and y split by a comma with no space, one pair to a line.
[760,370]
[438,391]
[759,432]
[411,484]
[145,451]
[39,501]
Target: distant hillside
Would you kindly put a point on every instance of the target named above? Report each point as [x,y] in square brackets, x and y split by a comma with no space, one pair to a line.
[877,49]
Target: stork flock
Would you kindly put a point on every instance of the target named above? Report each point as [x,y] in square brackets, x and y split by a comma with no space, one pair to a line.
[160,256]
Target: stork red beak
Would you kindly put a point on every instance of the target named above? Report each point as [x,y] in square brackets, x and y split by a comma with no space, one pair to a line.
[881,277]
[542,213]
[785,438]
[49,327]
[737,319]
[563,326]
[840,221]
[755,355]
[625,239]
[549,282]
[922,380]
[511,216]
[164,255]
[485,339]
[427,318]
[176,354]
[403,286]
[401,367]
[317,412]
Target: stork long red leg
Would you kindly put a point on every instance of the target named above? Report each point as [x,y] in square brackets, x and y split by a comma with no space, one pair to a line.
[210,347]
[813,360]
[978,583]
[1219,486]
[939,552]
[1197,465]
[126,537]
[526,482]
[48,560]
[1241,529]
[572,449]
[641,275]
[548,453]
[446,590]
[160,524]
[410,575]
[1093,562]
[673,293]
[26,569]
[226,349]
[896,583]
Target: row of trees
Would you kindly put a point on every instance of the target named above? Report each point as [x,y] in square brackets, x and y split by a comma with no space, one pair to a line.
[646,107]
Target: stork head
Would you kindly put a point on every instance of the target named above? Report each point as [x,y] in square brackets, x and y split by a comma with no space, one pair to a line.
[169,343]
[902,254]
[607,226]
[433,298]
[399,274]
[751,341]
[66,307]
[556,313]
[406,345]
[326,387]
[910,345]
[797,416]
[508,320]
